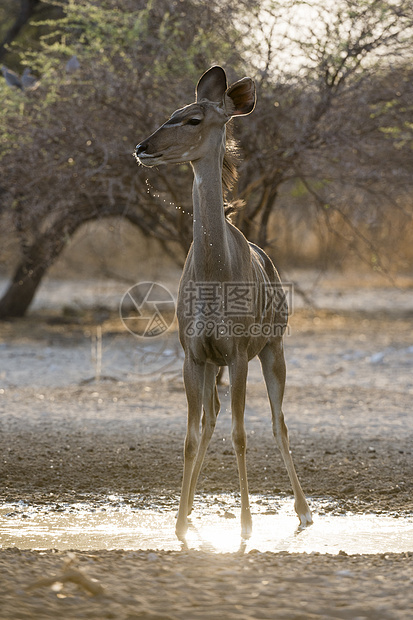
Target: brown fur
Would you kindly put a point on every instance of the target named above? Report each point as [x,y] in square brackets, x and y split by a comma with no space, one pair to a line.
[230,173]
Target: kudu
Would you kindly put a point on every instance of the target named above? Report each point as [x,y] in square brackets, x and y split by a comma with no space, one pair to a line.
[231,306]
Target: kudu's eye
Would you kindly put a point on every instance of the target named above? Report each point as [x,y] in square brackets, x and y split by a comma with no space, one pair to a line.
[194,121]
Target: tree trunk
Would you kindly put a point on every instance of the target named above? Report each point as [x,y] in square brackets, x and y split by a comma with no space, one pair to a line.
[21,290]
[266,212]
[36,261]
[27,8]
[41,255]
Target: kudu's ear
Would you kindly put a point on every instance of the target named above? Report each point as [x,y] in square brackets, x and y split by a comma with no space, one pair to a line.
[212,85]
[240,97]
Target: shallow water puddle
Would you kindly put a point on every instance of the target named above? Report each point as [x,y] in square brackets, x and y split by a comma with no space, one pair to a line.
[215,527]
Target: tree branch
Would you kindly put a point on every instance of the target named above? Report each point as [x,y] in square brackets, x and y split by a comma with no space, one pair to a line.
[27,8]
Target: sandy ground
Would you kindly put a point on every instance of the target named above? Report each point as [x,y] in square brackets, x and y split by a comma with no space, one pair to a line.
[77,423]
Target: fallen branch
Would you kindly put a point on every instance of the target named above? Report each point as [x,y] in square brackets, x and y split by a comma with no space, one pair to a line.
[73,575]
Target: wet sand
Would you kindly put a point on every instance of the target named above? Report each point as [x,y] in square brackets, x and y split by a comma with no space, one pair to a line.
[66,437]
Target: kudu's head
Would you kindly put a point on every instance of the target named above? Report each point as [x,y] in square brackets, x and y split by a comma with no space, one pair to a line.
[194,130]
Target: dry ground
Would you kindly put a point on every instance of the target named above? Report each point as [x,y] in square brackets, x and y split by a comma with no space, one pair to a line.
[67,436]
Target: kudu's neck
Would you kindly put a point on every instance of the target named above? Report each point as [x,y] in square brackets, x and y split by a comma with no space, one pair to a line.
[211,251]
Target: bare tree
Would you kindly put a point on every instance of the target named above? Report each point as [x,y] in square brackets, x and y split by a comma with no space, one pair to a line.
[333,122]
[321,119]
[74,162]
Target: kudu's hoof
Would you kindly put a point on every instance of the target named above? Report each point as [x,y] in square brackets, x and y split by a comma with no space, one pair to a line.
[306,518]
[246,531]
[181,530]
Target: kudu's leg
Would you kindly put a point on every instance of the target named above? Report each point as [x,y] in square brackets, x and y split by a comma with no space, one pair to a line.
[194,385]
[273,367]
[238,378]
[211,409]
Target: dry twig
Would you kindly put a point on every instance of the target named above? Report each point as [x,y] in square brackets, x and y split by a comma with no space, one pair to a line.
[70,574]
